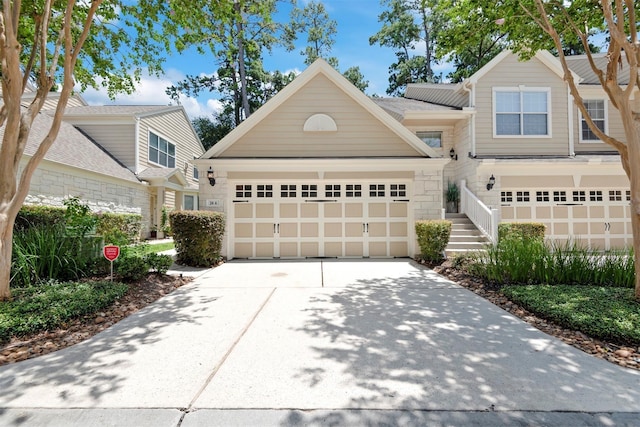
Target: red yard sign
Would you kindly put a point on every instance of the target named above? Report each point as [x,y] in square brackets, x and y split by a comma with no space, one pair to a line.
[111,252]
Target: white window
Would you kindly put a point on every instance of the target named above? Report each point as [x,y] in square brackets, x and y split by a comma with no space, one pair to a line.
[597,109]
[196,173]
[431,138]
[521,112]
[161,151]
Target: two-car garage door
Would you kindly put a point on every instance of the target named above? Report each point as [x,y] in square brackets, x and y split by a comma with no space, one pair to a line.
[320,219]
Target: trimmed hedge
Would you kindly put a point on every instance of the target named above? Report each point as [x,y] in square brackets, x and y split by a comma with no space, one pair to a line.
[433,237]
[39,216]
[521,230]
[197,236]
[119,229]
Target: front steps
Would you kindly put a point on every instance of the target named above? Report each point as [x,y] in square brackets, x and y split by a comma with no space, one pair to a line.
[465,236]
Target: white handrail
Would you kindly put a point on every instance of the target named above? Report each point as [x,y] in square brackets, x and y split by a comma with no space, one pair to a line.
[485,218]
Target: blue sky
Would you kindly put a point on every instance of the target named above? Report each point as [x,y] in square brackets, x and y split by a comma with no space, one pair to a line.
[357,20]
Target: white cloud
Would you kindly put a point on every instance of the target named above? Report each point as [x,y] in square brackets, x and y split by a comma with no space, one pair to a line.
[151,91]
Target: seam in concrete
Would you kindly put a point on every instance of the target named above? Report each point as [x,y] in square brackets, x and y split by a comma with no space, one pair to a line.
[321,274]
[228,353]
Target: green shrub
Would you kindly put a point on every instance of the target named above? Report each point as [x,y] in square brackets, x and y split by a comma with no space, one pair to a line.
[433,237]
[119,229]
[197,236]
[36,216]
[130,267]
[606,313]
[37,308]
[158,263]
[521,230]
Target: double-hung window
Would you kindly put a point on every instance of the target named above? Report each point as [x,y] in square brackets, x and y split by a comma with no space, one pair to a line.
[597,109]
[161,151]
[521,112]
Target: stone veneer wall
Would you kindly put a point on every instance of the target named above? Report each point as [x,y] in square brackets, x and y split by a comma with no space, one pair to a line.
[50,187]
[427,195]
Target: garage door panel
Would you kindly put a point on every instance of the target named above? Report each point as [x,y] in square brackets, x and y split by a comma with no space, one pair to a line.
[265,210]
[333,249]
[243,210]
[264,229]
[377,249]
[288,210]
[243,230]
[398,249]
[309,210]
[309,249]
[243,250]
[264,250]
[288,249]
[354,249]
[288,229]
[377,229]
[332,229]
[377,210]
[398,210]
[353,210]
[309,229]
[353,229]
[398,229]
[332,210]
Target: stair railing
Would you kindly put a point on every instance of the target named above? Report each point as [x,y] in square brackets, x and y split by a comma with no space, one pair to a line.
[484,218]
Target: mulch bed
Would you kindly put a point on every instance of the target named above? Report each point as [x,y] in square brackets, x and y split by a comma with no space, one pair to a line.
[140,294]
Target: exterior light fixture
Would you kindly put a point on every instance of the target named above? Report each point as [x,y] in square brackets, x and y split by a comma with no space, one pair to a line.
[491,182]
[210,177]
[452,154]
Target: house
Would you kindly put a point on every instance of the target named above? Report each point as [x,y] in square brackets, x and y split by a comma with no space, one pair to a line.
[322,170]
[123,159]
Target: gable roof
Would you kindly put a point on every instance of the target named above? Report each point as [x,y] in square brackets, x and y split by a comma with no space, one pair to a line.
[320,67]
[119,110]
[455,95]
[579,64]
[74,148]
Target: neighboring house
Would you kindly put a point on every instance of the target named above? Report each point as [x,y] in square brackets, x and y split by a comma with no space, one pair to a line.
[321,170]
[124,159]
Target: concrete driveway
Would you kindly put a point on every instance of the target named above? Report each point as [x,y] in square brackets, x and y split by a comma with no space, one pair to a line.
[329,342]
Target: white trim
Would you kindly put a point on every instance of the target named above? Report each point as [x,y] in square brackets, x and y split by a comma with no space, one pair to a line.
[521,89]
[136,151]
[572,149]
[581,119]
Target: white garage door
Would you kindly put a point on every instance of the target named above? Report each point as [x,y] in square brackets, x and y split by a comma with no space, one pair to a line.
[319,219]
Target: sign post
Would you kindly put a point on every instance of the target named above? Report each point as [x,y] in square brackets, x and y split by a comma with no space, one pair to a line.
[111,253]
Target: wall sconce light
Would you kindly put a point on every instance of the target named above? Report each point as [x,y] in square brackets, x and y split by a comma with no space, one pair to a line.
[491,182]
[452,154]
[210,177]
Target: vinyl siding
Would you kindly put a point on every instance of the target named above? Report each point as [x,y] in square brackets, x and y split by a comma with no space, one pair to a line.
[175,128]
[512,73]
[359,133]
[118,140]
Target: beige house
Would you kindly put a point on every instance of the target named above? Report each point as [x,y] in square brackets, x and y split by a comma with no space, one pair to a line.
[321,170]
[124,159]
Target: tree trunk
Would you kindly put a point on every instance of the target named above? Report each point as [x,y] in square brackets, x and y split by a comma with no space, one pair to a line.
[6,248]
[634,180]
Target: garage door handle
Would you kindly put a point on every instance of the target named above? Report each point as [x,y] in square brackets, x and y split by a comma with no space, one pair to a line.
[276,228]
[365,227]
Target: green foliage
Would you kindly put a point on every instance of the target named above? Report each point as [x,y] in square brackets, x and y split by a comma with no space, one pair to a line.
[35,216]
[197,236]
[453,192]
[314,21]
[521,230]
[78,218]
[130,267]
[606,313]
[119,229]
[164,221]
[433,237]
[532,261]
[49,304]
[48,252]
[157,262]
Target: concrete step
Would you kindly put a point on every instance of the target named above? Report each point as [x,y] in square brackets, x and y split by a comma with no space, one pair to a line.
[461,238]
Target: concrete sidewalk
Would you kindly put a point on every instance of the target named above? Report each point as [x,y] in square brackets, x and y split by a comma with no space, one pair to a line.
[319,343]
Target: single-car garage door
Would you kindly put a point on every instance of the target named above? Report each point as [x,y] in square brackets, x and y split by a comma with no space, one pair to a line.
[320,219]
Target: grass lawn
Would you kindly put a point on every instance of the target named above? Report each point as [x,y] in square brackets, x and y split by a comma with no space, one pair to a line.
[147,248]
[607,313]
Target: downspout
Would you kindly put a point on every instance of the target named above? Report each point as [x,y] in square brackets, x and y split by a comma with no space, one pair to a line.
[572,148]
[472,123]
